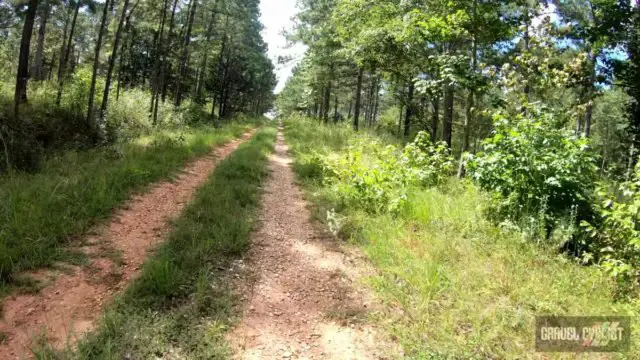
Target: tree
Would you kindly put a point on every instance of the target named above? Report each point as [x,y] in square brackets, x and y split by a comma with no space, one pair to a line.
[356,113]
[112,60]
[66,47]
[38,66]
[96,64]
[193,4]
[22,78]
[594,25]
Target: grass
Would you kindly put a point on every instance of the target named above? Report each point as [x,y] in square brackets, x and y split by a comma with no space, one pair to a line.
[453,285]
[182,303]
[41,212]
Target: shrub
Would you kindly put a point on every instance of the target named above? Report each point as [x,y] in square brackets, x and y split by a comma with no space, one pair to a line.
[617,235]
[388,121]
[128,117]
[369,176]
[377,178]
[76,93]
[533,166]
[426,163]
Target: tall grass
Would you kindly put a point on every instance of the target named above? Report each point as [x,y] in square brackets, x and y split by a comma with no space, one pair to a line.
[182,304]
[40,211]
[455,286]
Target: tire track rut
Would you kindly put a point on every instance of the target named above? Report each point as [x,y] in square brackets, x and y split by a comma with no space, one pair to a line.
[74,296]
[301,293]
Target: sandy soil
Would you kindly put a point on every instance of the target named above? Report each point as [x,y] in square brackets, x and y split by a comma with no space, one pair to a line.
[74,296]
[302,298]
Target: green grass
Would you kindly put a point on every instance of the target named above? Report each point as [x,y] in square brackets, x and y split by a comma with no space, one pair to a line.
[182,303]
[41,212]
[453,285]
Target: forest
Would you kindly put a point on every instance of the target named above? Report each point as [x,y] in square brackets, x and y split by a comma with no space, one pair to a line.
[536,103]
[76,74]
[439,176]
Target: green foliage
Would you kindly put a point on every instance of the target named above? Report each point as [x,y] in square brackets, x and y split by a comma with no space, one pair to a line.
[128,117]
[533,167]
[76,95]
[611,132]
[388,121]
[617,234]
[50,128]
[426,164]
[369,176]
[368,173]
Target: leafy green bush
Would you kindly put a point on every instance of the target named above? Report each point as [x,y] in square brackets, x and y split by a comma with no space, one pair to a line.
[310,166]
[368,175]
[388,121]
[533,167]
[42,126]
[617,235]
[128,117]
[76,93]
[376,178]
[426,163]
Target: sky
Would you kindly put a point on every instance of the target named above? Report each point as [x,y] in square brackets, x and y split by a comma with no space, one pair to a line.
[276,16]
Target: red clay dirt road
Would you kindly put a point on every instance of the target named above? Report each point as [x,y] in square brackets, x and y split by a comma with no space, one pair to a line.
[74,298]
[301,289]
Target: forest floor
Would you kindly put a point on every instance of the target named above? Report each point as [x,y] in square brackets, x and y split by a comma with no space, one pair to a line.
[304,299]
[71,298]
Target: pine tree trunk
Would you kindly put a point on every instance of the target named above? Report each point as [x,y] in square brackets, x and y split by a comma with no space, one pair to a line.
[38,67]
[155,88]
[370,100]
[468,119]
[435,119]
[356,110]
[400,119]
[447,127]
[96,65]
[63,45]
[22,77]
[327,100]
[123,47]
[221,70]
[335,108]
[315,108]
[185,54]
[203,64]
[410,108]
[376,100]
[64,61]
[588,116]
[166,65]
[112,60]
[527,40]
[321,102]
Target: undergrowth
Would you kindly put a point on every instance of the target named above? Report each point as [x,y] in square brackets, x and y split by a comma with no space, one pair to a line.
[454,285]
